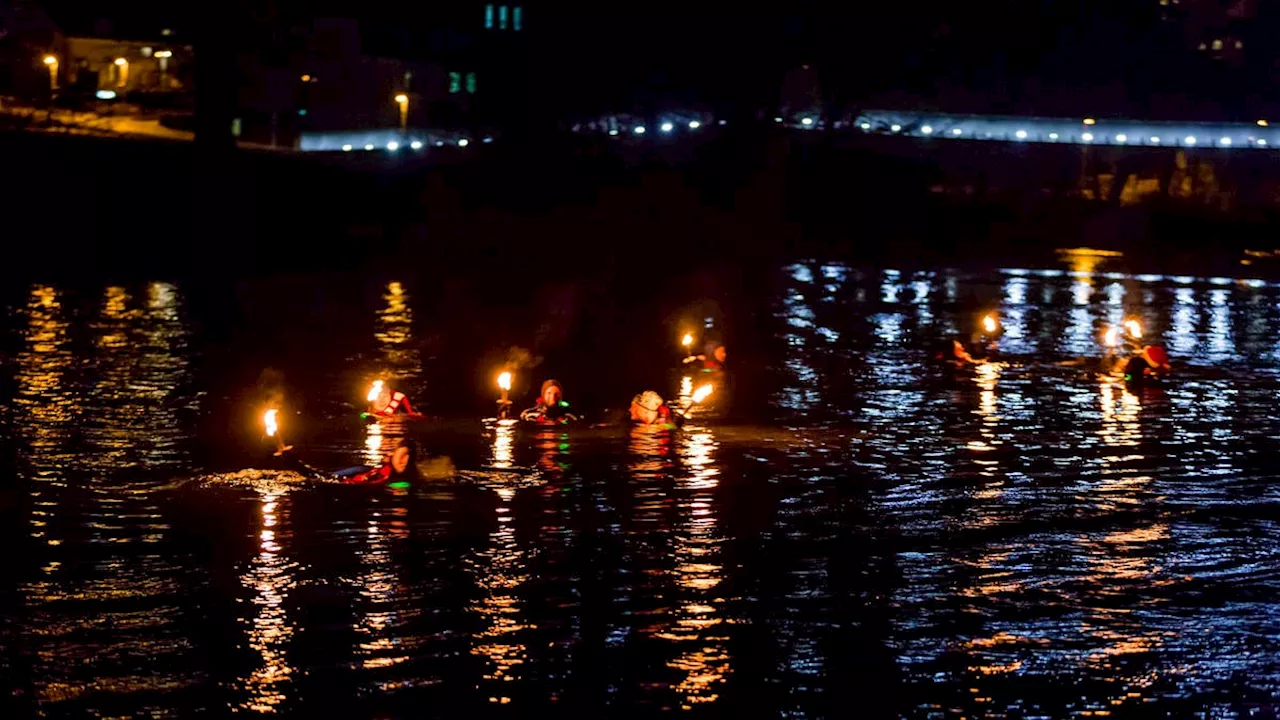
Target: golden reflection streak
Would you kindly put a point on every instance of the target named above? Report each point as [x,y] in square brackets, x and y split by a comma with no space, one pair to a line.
[504,438]
[1120,428]
[140,365]
[381,589]
[500,570]
[374,442]
[44,403]
[705,659]
[270,578]
[986,377]
[1123,558]
[393,333]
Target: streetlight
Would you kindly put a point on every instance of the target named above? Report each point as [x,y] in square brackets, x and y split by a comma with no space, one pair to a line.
[403,101]
[52,62]
[123,72]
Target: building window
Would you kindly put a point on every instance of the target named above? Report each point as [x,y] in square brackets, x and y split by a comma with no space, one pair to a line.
[517,18]
[471,83]
[488,17]
[502,17]
[455,82]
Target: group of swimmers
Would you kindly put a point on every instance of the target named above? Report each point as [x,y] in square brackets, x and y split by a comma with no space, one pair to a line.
[647,409]
[1143,364]
[551,408]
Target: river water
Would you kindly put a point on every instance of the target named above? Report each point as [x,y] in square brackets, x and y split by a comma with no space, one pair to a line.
[847,530]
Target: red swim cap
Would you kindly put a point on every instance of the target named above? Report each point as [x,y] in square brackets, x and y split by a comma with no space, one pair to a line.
[1156,354]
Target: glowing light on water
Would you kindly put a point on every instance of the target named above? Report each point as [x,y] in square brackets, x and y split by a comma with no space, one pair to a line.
[504,438]
[269,631]
[373,444]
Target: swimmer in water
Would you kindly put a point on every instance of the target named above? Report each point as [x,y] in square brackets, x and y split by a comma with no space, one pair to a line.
[955,353]
[551,407]
[648,408]
[1148,366]
[714,358]
[386,402]
[400,466]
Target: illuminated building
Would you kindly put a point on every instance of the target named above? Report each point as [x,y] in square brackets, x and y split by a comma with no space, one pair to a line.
[124,66]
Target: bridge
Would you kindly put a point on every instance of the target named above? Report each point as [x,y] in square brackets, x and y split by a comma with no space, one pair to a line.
[1077,131]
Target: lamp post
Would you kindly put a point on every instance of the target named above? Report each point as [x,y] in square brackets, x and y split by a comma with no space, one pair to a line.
[52,62]
[403,101]
[122,72]
[164,56]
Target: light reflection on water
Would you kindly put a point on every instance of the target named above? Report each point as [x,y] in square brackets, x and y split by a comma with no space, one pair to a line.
[1023,536]
[269,577]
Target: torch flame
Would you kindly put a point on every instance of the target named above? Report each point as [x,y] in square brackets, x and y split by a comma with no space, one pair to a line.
[504,381]
[1111,338]
[989,323]
[1134,327]
[687,340]
[375,390]
[269,420]
[702,393]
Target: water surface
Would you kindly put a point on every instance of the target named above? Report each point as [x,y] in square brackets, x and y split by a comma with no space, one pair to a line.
[850,529]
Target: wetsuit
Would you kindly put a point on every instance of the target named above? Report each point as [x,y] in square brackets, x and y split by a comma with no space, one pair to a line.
[389,402]
[667,420]
[557,414]
[1137,370]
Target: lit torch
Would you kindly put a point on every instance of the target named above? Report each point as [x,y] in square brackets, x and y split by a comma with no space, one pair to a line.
[273,430]
[1111,338]
[375,390]
[504,384]
[701,394]
[687,342]
[1135,329]
[989,324]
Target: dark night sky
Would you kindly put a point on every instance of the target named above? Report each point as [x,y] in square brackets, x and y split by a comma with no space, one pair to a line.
[1014,56]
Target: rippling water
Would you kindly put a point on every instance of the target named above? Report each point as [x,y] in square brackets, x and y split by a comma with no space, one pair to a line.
[855,531]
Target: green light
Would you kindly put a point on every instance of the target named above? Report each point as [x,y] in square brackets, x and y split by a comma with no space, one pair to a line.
[564,446]
[564,404]
[399,485]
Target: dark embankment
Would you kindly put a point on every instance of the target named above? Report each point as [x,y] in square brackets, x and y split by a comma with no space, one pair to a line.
[80,206]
